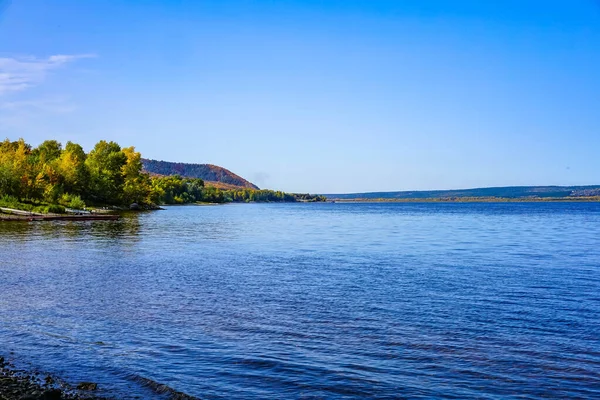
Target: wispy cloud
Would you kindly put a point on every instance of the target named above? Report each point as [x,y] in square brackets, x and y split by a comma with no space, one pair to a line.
[55,105]
[19,110]
[18,74]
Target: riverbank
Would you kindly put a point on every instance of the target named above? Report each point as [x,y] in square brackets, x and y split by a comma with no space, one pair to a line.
[581,199]
[19,384]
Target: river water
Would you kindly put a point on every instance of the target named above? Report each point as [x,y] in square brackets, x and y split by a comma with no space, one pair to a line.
[490,300]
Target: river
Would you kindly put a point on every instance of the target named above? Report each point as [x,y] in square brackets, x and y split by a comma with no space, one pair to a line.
[396,300]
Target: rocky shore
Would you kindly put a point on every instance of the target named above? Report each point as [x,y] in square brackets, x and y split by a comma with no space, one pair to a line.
[18,384]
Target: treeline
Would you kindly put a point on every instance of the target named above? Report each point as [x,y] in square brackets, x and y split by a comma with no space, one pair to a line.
[107,175]
[175,189]
[508,192]
[264,195]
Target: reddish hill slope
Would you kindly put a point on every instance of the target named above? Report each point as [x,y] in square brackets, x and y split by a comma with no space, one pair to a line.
[214,174]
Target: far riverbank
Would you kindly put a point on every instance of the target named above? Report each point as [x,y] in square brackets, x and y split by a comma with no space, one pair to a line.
[472,200]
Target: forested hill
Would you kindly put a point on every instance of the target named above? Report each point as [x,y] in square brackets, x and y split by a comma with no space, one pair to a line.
[207,172]
[502,192]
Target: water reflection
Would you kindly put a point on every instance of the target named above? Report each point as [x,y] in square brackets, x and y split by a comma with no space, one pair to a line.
[13,229]
[128,226]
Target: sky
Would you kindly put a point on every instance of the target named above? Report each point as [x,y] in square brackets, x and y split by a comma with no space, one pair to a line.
[326,96]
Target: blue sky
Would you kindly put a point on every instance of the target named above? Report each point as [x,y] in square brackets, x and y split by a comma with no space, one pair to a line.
[316,96]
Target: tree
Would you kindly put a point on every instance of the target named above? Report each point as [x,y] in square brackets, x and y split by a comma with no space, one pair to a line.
[71,166]
[23,171]
[136,185]
[47,152]
[105,163]
[9,179]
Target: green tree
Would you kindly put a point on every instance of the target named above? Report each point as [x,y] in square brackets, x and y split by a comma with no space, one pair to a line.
[46,180]
[136,184]
[47,152]
[105,163]
[9,178]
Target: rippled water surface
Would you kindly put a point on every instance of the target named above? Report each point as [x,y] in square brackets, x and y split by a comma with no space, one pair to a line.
[312,300]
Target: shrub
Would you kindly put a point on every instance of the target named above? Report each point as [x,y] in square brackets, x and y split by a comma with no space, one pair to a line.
[52,208]
[8,201]
[12,202]
[72,201]
[77,203]
[56,208]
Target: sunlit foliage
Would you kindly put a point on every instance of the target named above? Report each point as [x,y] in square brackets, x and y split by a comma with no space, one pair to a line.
[68,176]
[107,175]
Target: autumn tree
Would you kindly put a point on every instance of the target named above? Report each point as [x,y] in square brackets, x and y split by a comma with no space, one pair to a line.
[73,169]
[136,184]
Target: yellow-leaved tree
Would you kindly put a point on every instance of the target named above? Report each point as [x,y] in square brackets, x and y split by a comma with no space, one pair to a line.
[137,186]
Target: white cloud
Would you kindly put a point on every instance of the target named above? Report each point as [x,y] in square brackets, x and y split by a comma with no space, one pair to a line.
[18,74]
[65,58]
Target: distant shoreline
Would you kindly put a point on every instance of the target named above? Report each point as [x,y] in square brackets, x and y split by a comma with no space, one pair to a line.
[505,193]
[473,200]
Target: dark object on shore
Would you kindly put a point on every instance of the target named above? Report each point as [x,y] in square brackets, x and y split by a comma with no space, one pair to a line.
[134,207]
[64,217]
[87,386]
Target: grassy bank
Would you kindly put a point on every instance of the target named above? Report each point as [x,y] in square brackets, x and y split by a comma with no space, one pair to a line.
[35,207]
